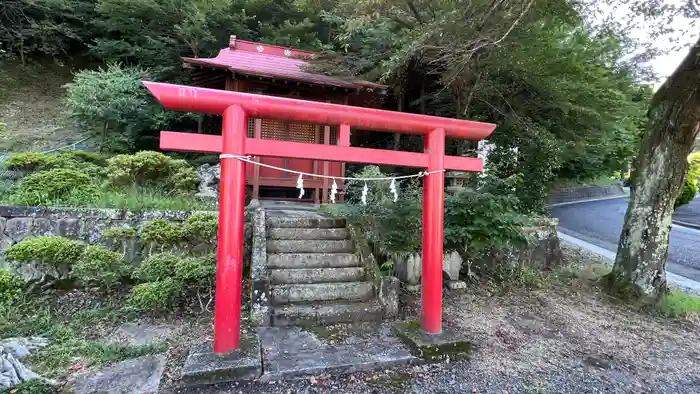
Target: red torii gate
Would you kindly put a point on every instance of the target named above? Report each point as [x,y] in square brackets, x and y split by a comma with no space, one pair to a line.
[234,142]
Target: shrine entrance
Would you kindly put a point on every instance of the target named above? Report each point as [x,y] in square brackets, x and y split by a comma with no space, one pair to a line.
[235,144]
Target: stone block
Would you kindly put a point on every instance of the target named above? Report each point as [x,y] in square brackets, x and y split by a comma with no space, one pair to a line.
[351,291]
[311,260]
[135,376]
[42,226]
[446,346]
[3,221]
[456,285]
[260,303]
[69,227]
[410,270]
[302,222]
[259,252]
[317,275]
[452,264]
[389,296]
[295,352]
[203,366]
[18,228]
[327,313]
[308,246]
[308,233]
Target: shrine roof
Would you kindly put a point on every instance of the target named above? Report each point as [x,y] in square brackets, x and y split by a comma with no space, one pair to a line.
[272,61]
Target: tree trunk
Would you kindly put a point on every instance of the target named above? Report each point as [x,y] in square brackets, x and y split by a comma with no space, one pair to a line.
[659,174]
[103,143]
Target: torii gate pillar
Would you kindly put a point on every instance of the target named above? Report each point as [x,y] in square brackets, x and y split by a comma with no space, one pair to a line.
[229,259]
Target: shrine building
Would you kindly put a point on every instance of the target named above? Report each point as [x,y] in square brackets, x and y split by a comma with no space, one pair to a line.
[253,67]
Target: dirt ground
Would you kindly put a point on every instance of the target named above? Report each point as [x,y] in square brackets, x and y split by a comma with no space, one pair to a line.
[565,337]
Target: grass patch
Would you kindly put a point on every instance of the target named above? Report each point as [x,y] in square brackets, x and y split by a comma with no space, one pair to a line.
[678,304]
[133,199]
[68,342]
[69,348]
[148,198]
[31,104]
[34,386]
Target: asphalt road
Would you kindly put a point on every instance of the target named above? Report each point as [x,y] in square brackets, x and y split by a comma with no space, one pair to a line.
[600,223]
[689,213]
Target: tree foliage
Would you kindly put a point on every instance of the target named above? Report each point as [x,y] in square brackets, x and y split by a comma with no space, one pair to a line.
[112,103]
[563,91]
[559,92]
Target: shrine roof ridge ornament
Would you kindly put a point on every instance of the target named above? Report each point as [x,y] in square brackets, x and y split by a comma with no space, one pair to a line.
[194,99]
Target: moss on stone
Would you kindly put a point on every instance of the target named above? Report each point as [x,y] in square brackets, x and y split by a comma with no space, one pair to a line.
[321,331]
[440,347]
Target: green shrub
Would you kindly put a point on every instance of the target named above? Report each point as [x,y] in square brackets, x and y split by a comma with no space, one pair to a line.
[11,286]
[199,271]
[157,267]
[477,222]
[33,386]
[694,166]
[153,295]
[119,233]
[49,249]
[55,252]
[99,266]
[690,189]
[85,157]
[54,186]
[202,227]
[393,228]
[149,168]
[184,180]
[31,161]
[161,233]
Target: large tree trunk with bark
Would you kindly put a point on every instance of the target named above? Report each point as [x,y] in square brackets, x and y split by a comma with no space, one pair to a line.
[659,174]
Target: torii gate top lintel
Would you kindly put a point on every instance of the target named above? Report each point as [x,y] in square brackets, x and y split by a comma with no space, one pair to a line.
[233,142]
[194,99]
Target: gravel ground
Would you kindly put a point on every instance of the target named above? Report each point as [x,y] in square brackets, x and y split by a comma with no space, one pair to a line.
[563,338]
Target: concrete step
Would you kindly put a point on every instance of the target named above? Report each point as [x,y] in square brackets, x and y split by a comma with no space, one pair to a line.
[347,291]
[298,222]
[308,246]
[307,233]
[327,313]
[311,260]
[317,275]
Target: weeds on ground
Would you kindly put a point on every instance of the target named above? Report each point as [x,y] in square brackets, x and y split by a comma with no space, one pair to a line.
[68,342]
[137,198]
[34,386]
[678,304]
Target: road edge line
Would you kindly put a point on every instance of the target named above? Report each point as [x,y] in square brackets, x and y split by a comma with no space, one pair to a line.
[559,204]
[686,224]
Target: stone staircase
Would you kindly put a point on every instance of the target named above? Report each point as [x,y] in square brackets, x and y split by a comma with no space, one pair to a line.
[313,275]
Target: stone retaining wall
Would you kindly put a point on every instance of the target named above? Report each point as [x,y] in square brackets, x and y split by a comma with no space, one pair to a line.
[18,223]
[542,252]
[571,194]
